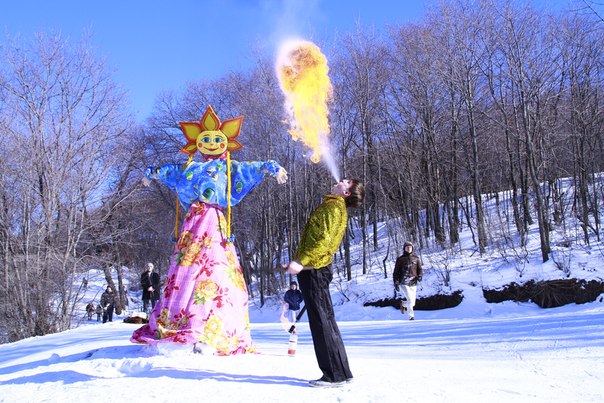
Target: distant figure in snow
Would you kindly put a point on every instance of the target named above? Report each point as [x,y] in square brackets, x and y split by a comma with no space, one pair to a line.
[150,286]
[89,310]
[293,299]
[108,303]
[407,272]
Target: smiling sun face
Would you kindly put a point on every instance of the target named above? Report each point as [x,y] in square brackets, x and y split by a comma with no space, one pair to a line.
[211,137]
[212,142]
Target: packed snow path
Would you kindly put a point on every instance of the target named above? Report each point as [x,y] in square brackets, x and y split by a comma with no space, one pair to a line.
[543,355]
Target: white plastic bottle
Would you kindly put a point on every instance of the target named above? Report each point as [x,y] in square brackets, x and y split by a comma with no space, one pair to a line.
[293,344]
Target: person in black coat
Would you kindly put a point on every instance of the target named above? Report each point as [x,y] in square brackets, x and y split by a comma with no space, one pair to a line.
[407,272]
[293,298]
[108,303]
[150,285]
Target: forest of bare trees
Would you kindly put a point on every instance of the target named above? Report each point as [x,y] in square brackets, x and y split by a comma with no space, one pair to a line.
[478,98]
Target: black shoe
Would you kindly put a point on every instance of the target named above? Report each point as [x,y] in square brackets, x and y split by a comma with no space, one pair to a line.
[325,383]
[197,349]
[412,318]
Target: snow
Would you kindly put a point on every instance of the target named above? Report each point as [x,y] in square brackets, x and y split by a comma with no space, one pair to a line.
[512,352]
[504,352]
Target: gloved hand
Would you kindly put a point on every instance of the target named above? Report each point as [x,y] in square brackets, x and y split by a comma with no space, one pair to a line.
[396,287]
[151,173]
[281,176]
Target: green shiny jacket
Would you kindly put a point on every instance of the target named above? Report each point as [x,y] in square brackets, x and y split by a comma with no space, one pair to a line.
[323,233]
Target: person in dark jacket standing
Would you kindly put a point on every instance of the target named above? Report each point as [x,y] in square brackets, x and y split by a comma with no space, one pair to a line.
[150,285]
[293,298]
[108,302]
[407,272]
[321,238]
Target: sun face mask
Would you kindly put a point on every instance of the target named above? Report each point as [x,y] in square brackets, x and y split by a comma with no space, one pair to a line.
[211,137]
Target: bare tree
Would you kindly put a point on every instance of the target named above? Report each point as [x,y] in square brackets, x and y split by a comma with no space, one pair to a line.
[582,62]
[63,114]
[363,74]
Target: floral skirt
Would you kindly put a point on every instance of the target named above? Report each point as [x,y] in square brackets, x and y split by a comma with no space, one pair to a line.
[205,298]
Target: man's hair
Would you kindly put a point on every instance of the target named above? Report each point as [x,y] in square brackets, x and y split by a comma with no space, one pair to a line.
[357,194]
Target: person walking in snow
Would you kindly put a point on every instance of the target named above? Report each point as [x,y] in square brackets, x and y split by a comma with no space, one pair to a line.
[108,303]
[407,272]
[320,239]
[293,299]
[150,285]
[89,310]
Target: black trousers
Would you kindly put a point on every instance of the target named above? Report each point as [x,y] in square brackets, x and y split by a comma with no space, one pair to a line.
[108,314]
[329,347]
[146,303]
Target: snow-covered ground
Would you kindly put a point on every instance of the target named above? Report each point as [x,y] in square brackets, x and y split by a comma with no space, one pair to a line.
[475,352]
[507,353]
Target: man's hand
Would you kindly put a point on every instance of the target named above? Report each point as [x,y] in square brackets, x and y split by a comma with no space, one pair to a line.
[146,181]
[293,267]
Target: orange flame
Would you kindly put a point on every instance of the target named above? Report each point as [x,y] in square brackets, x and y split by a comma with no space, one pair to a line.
[302,71]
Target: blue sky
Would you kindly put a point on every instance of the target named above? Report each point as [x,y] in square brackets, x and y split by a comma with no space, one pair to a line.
[159,45]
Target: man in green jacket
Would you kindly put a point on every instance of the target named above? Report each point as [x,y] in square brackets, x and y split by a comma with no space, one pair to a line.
[320,239]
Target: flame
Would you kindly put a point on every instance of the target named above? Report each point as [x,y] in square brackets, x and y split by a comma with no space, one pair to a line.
[302,71]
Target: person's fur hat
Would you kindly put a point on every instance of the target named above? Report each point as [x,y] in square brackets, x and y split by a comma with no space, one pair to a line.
[408,244]
[293,283]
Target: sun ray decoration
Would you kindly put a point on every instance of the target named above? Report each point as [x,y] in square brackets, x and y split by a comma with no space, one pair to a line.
[210,122]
